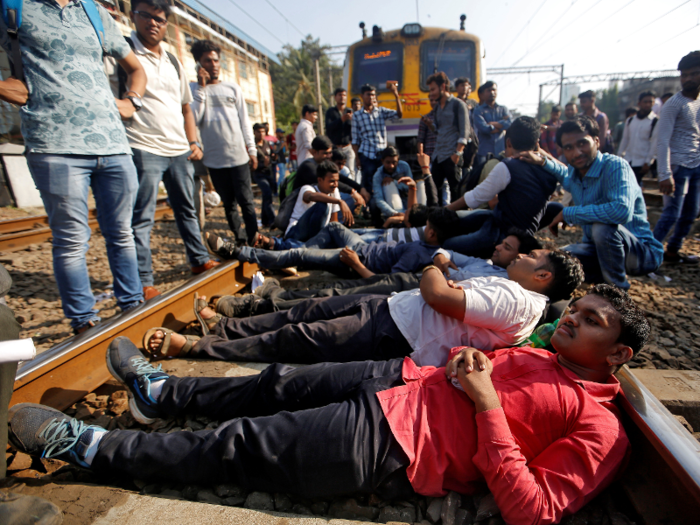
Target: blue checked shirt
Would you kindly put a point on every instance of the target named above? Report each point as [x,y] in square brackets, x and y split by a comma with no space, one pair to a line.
[607,194]
[369,130]
[491,142]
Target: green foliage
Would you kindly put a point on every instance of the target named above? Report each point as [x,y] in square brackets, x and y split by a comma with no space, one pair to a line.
[606,101]
[545,111]
[294,82]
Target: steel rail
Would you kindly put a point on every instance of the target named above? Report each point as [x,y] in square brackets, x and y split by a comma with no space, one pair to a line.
[67,372]
[19,234]
[663,477]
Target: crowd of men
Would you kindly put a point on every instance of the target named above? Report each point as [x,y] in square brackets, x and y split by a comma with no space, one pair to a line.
[424,367]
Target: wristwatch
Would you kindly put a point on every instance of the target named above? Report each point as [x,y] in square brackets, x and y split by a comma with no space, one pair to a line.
[136,101]
[196,144]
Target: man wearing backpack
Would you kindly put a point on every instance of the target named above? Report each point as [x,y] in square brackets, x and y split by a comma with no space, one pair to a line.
[163,139]
[638,146]
[75,140]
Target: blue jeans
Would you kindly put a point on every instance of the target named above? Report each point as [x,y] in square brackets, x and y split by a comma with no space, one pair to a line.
[281,174]
[177,174]
[63,181]
[613,254]
[681,209]
[482,234]
[370,234]
[265,182]
[308,226]
[368,167]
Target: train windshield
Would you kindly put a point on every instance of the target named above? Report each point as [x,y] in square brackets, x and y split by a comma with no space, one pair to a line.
[454,57]
[377,63]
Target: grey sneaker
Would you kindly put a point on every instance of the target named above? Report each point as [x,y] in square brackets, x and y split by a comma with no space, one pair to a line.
[128,366]
[42,431]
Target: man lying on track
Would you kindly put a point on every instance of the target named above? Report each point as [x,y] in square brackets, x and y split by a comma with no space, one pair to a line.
[484,312]
[540,429]
[271,297]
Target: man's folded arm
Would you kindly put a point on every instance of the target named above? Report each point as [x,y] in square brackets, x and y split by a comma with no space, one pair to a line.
[559,481]
[618,210]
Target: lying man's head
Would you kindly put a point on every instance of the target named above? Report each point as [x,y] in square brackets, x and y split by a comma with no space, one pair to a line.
[339,158]
[517,241]
[441,225]
[321,148]
[554,273]
[418,215]
[601,332]
[327,177]
[523,135]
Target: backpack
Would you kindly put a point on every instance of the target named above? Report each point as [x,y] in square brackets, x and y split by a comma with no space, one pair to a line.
[286,186]
[286,208]
[121,72]
[12,13]
[653,124]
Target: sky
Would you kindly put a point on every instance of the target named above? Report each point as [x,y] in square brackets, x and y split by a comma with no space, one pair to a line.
[587,36]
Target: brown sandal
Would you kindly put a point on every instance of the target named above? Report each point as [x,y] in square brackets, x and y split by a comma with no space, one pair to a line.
[206,324]
[162,351]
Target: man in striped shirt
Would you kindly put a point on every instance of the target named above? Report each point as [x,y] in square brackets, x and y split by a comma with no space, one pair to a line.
[678,153]
[608,205]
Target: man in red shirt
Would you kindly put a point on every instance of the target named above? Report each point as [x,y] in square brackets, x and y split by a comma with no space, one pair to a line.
[540,429]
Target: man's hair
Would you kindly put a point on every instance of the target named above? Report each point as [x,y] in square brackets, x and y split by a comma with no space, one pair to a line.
[527,241]
[160,5]
[556,109]
[645,94]
[389,151]
[321,143]
[570,104]
[634,327]
[199,47]
[462,80]
[366,88]
[567,275]
[486,85]
[258,126]
[339,90]
[445,223]
[580,124]
[338,155]
[325,167]
[692,59]
[308,108]
[587,94]
[440,78]
[418,215]
[355,99]
[631,111]
[666,95]
[524,133]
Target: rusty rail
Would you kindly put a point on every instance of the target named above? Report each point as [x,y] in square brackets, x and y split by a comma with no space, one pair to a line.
[67,372]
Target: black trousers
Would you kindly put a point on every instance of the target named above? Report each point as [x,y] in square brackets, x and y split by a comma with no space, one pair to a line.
[277,298]
[330,329]
[447,170]
[315,431]
[235,188]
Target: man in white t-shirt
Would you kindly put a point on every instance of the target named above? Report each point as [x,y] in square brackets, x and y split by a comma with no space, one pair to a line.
[163,139]
[485,312]
[305,133]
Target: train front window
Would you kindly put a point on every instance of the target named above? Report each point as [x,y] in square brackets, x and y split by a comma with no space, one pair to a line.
[377,63]
[454,57]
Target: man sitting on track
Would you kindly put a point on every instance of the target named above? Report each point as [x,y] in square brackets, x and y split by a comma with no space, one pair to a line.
[271,297]
[540,429]
[484,312]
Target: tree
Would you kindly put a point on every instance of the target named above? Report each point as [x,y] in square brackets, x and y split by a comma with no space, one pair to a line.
[294,82]
[606,101]
[545,110]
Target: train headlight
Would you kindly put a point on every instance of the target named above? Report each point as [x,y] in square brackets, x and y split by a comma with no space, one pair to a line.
[411,30]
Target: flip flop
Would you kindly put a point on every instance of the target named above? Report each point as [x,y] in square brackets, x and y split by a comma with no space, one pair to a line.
[199,305]
[162,351]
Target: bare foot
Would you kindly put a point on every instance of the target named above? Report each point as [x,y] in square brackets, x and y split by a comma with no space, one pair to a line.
[177,342]
[206,313]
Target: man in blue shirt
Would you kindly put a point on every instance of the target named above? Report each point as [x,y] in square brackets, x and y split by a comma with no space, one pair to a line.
[608,205]
[491,121]
[390,196]
[75,141]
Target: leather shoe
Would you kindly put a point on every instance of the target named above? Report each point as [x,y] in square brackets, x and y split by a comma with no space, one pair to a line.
[149,292]
[204,267]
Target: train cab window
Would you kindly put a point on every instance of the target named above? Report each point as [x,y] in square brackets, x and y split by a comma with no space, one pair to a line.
[377,63]
[455,58]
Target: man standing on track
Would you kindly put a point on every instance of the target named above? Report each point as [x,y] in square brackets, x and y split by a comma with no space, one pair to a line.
[229,147]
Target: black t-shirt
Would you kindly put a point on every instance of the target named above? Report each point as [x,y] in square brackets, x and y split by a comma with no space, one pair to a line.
[264,150]
[306,174]
[338,131]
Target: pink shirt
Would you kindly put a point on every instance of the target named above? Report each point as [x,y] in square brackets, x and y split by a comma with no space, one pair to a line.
[556,442]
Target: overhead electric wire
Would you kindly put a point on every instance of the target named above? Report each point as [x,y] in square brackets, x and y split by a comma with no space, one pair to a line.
[254,20]
[286,19]
[521,30]
[654,21]
[673,37]
[218,15]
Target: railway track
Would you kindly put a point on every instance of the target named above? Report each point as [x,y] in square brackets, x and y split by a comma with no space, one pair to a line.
[662,480]
[19,234]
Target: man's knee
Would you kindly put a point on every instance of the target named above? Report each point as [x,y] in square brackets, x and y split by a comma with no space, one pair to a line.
[602,233]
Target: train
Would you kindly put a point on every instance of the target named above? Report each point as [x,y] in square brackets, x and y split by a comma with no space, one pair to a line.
[410,55]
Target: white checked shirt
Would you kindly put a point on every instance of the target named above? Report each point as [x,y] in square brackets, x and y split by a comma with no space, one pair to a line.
[369,129]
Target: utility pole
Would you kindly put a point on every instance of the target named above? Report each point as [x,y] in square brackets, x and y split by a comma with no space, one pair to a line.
[561,86]
[319,104]
[330,83]
[539,103]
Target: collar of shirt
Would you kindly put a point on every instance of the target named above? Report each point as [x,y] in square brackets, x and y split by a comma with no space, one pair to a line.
[140,49]
[595,169]
[601,392]
[375,110]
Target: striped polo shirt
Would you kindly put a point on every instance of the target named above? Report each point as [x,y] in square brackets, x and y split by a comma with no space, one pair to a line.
[678,142]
